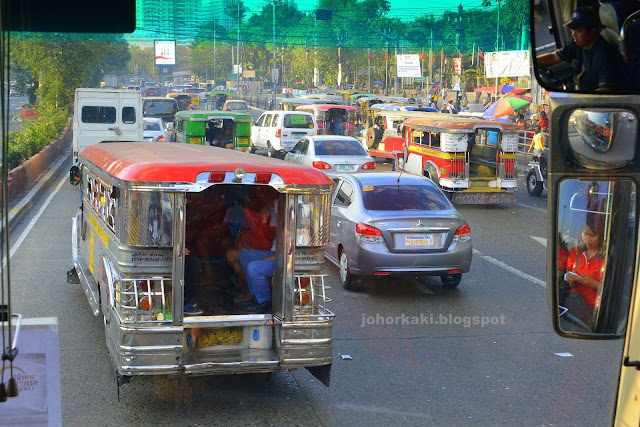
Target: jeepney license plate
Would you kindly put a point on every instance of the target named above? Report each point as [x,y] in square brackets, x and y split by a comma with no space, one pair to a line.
[419,240]
[215,337]
[346,168]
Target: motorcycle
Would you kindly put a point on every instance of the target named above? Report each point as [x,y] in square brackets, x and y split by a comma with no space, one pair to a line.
[537,175]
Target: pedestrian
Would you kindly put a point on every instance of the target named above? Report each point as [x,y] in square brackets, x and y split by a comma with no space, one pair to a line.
[464,103]
[451,108]
[544,121]
[537,143]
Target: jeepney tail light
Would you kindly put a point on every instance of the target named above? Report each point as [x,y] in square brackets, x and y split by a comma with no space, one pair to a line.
[278,133]
[369,166]
[216,177]
[463,233]
[368,233]
[321,165]
[263,177]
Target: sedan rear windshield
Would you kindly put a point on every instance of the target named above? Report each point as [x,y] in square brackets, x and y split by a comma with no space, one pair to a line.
[237,105]
[343,147]
[297,121]
[403,197]
[152,126]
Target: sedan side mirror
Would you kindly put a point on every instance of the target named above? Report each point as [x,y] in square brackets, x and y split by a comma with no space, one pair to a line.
[75,175]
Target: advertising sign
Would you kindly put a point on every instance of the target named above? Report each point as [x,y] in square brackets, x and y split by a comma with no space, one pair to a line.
[36,370]
[249,74]
[510,63]
[408,65]
[165,52]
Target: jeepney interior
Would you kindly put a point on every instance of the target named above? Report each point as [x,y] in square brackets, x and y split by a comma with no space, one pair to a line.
[219,130]
[484,150]
[221,221]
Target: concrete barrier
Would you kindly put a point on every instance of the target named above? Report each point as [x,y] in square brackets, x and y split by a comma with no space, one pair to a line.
[23,176]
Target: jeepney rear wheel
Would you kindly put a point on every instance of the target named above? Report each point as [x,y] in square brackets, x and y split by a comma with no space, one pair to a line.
[534,186]
[348,280]
[270,151]
[450,281]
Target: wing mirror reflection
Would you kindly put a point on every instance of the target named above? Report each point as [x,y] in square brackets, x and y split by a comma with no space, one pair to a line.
[75,175]
[594,257]
[602,138]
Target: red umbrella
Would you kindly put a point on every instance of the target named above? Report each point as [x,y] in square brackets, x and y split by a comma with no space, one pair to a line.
[518,92]
[512,95]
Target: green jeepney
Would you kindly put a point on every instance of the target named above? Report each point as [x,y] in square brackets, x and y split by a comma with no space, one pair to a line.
[218,128]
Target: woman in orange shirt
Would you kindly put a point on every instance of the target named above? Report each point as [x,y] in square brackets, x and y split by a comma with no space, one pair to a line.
[585,265]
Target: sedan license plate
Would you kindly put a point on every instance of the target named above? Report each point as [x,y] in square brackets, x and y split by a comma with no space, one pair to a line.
[346,168]
[419,241]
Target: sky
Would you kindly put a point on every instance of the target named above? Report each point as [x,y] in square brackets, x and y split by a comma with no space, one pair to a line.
[403,9]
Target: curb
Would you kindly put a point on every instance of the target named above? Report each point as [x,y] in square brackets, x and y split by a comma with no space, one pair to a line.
[42,184]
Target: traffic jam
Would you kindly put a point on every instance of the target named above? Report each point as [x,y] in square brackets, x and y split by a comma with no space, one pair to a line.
[243,213]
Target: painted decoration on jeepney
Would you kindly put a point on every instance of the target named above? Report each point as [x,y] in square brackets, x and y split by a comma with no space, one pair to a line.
[102,199]
[510,142]
[453,142]
[312,220]
[149,219]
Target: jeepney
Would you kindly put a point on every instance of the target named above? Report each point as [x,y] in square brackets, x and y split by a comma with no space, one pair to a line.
[473,161]
[206,127]
[150,238]
[326,113]
[383,121]
[216,100]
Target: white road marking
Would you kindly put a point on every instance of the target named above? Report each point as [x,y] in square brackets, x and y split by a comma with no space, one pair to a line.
[540,240]
[563,354]
[535,208]
[33,221]
[382,410]
[510,269]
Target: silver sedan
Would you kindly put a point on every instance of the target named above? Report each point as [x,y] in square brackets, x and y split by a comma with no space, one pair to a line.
[396,224]
[333,154]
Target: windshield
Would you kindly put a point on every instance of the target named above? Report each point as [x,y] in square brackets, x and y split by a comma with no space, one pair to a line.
[152,126]
[237,105]
[159,107]
[403,197]
[341,147]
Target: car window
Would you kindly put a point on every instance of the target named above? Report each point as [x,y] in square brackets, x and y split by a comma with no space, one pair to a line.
[152,126]
[297,121]
[260,120]
[403,197]
[98,114]
[301,146]
[344,196]
[274,120]
[343,147]
[128,115]
[237,105]
[160,106]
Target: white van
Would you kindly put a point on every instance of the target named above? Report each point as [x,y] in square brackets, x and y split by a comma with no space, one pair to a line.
[106,115]
[279,131]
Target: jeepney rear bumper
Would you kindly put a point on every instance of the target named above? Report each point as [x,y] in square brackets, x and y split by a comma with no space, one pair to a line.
[482,197]
[159,350]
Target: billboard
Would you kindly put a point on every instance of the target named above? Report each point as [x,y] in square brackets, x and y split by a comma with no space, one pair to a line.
[165,52]
[509,63]
[408,65]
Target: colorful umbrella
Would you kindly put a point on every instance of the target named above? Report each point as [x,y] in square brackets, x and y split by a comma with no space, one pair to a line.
[526,98]
[518,92]
[504,107]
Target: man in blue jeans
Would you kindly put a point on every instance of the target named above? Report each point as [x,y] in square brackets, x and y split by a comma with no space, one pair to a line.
[258,267]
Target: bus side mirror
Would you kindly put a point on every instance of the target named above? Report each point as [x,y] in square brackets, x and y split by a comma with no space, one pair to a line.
[75,175]
[593,257]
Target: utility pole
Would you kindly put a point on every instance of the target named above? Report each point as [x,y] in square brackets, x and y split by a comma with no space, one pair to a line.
[274,81]
[238,51]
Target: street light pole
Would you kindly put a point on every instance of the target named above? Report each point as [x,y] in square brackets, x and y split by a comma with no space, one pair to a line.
[238,52]
[274,81]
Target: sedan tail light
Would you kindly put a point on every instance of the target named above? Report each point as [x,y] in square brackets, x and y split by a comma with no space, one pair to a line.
[368,233]
[369,166]
[463,233]
[278,133]
[160,138]
[321,165]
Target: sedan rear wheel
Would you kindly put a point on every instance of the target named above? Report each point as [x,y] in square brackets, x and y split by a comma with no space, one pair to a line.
[450,281]
[348,280]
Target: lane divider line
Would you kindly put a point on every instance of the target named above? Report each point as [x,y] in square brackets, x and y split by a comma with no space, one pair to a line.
[510,269]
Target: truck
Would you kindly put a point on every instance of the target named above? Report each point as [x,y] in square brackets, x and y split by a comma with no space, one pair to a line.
[106,115]
[110,81]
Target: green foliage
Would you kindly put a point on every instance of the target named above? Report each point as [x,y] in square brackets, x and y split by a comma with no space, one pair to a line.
[36,134]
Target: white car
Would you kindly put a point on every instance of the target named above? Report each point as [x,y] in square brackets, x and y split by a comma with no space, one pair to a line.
[279,131]
[153,129]
[236,106]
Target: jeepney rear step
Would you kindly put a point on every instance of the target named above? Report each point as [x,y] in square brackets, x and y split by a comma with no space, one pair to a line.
[245,360]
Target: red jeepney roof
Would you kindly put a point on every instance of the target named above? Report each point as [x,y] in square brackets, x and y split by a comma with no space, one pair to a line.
[454,122]
[177,162]
[325,107]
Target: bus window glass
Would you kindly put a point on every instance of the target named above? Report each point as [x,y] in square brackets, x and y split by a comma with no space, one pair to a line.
[594,255]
